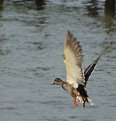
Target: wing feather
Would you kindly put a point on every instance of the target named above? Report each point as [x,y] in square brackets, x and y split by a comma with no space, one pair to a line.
[73,61]
[88,71]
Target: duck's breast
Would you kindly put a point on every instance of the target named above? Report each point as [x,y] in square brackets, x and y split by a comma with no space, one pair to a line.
[68,88]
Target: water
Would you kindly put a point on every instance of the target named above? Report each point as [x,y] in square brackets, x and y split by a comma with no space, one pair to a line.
[31,48]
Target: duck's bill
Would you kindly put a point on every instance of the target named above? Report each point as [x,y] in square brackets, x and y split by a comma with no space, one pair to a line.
[52,84]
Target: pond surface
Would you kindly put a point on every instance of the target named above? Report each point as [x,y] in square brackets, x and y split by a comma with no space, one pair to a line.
[31,47]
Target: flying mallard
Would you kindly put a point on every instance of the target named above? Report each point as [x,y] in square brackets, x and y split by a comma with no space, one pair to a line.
[76,77]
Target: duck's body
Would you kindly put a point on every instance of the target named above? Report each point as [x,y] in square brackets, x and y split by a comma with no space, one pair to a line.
[79,94]
[76,77]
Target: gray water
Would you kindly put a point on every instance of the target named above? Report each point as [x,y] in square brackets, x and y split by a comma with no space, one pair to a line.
[31,48]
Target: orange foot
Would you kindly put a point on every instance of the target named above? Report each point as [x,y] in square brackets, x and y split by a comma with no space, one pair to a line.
[83,105]
[75,102]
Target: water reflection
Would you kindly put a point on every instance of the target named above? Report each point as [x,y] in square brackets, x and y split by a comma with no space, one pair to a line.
[31,4]
[92,7]
[1,3]
[39,45]
[40,4]
[109,13]
[3,51]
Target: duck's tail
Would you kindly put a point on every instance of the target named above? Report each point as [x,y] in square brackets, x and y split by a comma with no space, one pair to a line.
[89,101]
[83,100]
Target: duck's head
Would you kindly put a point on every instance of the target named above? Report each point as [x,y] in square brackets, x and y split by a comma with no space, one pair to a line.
[57,81]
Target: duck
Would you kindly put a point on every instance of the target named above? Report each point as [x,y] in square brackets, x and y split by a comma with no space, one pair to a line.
[77,77]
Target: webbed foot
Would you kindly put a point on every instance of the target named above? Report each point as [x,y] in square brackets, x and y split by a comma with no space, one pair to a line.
[75,102]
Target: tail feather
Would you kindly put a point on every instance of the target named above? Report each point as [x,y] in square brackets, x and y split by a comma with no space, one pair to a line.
[90,101]
[83,100]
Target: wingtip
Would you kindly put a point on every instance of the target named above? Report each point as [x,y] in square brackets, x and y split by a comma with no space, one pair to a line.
[70,36]
[68,33]
[106,49]
[103,52]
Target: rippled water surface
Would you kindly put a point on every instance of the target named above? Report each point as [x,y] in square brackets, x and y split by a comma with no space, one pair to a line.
[31,47]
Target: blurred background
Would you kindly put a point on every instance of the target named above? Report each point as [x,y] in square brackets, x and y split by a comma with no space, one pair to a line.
[32,34]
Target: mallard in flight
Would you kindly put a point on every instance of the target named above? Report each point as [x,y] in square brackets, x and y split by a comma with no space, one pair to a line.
[76,77]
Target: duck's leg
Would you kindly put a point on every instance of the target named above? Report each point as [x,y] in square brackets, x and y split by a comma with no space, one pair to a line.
[75,102]
[84,105]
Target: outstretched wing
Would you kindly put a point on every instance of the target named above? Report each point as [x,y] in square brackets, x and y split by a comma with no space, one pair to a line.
[88,71]
[73,61]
